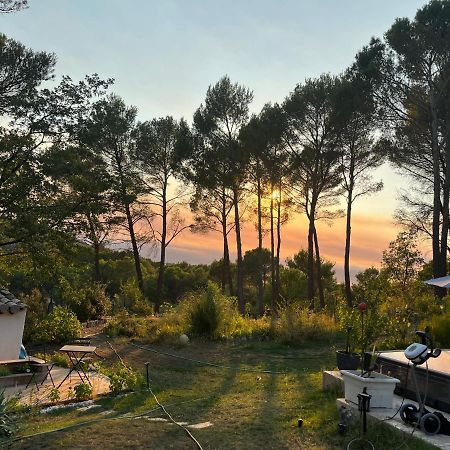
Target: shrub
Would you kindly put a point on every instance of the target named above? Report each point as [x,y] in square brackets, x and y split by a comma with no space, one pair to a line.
[60,359]
[374,325]
[60,326]
[206,314]
[36,312]
[7,426]
[124,324]
[5,371]
[211,314]
[83,391]
[297,324]
[122,378]
[54,395]
[131,298]
[99,300]
[440,329]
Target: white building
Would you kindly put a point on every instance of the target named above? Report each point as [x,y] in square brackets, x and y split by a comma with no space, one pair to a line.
[12,321]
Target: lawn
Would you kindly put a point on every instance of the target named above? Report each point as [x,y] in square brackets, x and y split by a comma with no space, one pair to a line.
[248,410]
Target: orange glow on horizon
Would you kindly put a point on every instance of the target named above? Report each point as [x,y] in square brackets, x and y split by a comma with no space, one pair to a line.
[370,236]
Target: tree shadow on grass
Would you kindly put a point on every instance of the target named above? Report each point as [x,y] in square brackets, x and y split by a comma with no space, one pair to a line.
[197,411]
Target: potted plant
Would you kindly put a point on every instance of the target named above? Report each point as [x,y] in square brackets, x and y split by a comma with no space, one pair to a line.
[380,387]
[347,360]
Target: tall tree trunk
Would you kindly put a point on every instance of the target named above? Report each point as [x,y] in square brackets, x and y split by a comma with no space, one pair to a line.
[277,272]
[134,246]
[310,267]
[228,265]
[348,232]
[226,272]
[260,244]
[240,275]
[95,247]
[97,275]
[126,204]
[272,253]
[437,269]
[162,260]
[446,199]
[319,271]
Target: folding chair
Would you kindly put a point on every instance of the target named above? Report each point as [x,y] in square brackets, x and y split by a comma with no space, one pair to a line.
[48,367]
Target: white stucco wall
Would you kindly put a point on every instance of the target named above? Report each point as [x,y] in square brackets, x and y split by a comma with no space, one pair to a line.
[11,331]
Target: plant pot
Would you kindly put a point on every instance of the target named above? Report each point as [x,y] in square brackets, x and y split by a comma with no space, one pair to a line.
[380,387]
[347,361]
[367,360]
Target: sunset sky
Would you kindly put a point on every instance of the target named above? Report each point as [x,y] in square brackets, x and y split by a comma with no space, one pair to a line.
[164,54]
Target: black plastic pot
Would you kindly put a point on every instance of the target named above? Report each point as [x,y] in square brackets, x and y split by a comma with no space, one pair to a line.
[347,361]
[367,360]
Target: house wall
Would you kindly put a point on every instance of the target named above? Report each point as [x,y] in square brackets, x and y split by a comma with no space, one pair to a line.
[11,331]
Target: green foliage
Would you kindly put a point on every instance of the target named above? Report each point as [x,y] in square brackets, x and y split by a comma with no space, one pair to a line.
[293,283]
[131,298]
[374,325]
[36,312]
[207,312]
[54,395]
[13,405]
[60,359]
[4,371]
[252,261]
[83,391]
[402,261]
[181,278]
[440,329]
[60,326]
[93,303]
[7,426]
[125,324]
[297,324]
[210,314]
[122,378]
[300,262]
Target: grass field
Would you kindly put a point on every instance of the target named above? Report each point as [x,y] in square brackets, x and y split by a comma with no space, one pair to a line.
[248,410]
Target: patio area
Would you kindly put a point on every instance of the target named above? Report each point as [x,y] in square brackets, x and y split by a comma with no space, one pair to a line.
[40,397]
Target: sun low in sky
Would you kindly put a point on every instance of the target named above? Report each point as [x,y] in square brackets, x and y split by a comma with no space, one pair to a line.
[164,55]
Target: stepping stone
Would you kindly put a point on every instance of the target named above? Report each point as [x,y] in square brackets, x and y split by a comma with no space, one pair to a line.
[199,426]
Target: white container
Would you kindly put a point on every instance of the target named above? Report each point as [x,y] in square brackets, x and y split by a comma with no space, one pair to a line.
[380,387]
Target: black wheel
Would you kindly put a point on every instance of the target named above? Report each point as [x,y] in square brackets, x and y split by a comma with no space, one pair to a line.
[430,424]
[408,413]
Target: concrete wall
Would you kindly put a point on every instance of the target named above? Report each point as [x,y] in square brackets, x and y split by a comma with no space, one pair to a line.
[11,331]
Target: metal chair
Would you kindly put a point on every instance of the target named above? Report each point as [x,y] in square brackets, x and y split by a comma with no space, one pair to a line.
[46,363]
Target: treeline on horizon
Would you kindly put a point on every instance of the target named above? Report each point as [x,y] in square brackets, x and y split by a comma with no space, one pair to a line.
[76,166]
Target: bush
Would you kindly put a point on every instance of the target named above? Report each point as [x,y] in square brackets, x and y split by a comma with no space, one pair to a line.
[83,391]
[211,314]
[60,326]
[207,312]
[36,313]
[99,300]
[54,395]
[131,298]
[124,324]
[375,325]
[7,427]
[440,329]
[297,324]
[122,378]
